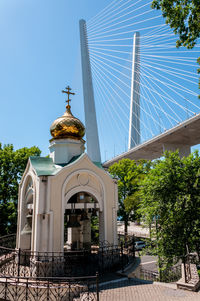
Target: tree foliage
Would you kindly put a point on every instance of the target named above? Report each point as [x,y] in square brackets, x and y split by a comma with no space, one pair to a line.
[129,175]
[198,71]
[94,229]
[171,201]
[12,166]
[184,17]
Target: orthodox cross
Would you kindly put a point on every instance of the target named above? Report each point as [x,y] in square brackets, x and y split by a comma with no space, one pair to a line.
[68,93]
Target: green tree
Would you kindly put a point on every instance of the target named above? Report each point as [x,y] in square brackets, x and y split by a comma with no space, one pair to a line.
[183,16]
[95,229]
[198,71]
[132,202]
[128,174]
[171,201]
[12,166]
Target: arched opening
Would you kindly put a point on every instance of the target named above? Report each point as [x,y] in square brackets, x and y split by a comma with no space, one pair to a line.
[81,222]
[27,215]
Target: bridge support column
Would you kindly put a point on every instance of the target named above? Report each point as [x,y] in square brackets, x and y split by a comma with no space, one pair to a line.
[184,149]
[93,148]
[134,121]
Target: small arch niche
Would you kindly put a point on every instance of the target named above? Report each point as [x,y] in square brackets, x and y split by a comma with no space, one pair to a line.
[27,215]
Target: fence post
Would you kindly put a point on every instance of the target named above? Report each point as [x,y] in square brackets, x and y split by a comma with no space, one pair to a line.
[97,285]
[112,257]
[52,263]
[133,246]
[18,263]
[26,289]
[102,261]
[6,285]
[122,259]
[48,290]
[69,291]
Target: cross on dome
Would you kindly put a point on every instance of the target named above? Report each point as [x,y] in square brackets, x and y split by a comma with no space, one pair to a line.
[68,93]
[67,126]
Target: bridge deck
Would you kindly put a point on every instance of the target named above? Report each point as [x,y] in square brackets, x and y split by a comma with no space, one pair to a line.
[186,133]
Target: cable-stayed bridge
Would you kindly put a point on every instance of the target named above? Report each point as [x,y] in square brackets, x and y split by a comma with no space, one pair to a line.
[159,79]
[180,137]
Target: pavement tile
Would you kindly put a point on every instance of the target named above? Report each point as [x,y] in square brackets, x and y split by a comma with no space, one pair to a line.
[129,290]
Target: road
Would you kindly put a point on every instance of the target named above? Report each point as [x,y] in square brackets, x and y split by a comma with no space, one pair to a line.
[148,262]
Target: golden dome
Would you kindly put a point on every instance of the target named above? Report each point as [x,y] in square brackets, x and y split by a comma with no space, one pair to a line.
[67,126]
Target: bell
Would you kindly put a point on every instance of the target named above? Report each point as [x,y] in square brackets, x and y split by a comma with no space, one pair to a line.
[84,216]
[27,229]
[94,212]
[28,225]
[73,222]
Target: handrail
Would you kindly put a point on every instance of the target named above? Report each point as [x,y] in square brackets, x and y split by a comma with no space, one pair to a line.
[7,239]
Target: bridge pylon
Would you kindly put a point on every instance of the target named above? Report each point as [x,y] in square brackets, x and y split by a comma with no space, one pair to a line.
[134,121]
[92,138]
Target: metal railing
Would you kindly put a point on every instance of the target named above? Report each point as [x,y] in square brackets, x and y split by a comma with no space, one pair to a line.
[49,289]
[8,241]
[102,259]
[149,275]
[171,274]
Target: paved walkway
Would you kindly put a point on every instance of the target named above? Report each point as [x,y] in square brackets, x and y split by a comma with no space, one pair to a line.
[130,290]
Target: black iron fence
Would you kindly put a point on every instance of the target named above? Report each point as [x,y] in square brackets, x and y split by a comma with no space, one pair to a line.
[8,241]
[171,274]
[149,275]
[49,289]
[102,259]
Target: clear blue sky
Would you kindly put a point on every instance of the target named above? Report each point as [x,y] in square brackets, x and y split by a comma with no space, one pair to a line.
[40,55]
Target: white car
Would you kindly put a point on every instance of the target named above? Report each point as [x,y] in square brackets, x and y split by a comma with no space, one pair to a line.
[139,245]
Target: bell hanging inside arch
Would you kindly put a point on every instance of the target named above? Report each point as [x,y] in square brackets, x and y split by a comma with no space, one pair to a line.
[84,216]
[73,221]
[28,225]
[94,212]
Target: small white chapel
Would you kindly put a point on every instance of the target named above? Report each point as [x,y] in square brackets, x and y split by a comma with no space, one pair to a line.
[60,193]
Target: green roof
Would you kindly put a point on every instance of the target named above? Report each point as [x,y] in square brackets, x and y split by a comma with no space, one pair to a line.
[98,164]
[44,166]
